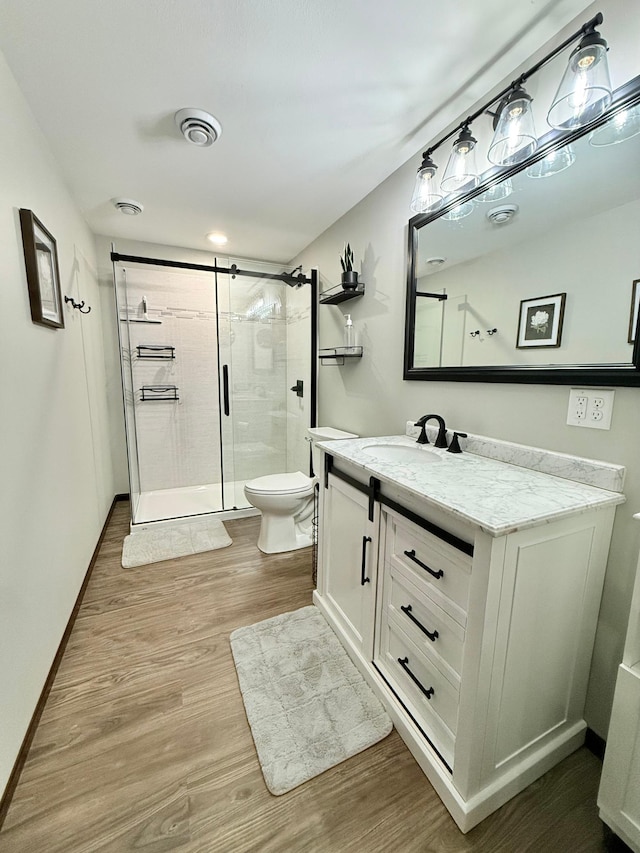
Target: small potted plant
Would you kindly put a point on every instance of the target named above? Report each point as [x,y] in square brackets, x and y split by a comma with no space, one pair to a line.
[349,275]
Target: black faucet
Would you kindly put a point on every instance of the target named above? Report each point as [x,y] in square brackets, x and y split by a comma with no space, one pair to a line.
[441,440]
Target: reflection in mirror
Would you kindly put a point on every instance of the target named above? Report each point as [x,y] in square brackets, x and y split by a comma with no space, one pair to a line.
[538,270]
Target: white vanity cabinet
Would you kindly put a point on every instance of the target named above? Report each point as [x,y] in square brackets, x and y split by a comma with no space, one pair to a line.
[619,794]
[347,552]
[478,645]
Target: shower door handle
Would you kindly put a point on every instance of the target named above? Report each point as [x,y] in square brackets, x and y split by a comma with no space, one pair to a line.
[225,387]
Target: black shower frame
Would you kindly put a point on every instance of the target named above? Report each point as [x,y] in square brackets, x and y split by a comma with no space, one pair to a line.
[233,270]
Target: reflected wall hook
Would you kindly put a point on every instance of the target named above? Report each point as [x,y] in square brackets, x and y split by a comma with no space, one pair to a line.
[475,334]
[491,331]
[78,305]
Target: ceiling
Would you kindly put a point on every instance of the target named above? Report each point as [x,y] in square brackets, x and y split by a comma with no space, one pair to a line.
[320,101]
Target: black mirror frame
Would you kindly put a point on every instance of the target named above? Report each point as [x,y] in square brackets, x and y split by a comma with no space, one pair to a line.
[574,374]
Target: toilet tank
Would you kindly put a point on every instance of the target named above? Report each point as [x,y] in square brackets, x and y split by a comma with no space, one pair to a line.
[315,434]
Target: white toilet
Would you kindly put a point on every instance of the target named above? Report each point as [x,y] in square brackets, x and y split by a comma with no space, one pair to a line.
[286,500]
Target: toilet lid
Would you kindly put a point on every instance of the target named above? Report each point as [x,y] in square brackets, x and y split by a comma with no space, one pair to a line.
[279,484]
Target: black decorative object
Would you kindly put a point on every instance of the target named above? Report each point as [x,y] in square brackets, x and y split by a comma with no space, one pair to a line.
[349,275]
[78,305]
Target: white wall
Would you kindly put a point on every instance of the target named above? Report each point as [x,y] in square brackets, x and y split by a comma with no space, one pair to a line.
[369,396]
[57,478]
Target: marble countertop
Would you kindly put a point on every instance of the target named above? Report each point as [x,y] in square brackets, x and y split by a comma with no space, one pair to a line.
[496,496]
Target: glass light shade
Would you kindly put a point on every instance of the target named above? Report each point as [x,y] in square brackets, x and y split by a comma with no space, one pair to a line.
[620,127]
[460,211]
[461,172]
[515,136]
[426,195]
[585,89]
[497,192]
[555,161]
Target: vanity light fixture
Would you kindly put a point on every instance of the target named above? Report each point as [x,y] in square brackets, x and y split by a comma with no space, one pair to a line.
[515,136]
[583,95]
[585,91]
[426,195]
[461,172]
[555,161]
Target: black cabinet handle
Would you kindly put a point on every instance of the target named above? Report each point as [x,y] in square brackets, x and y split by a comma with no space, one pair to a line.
[363,568]
[412,556]
[403,663]
[432,635]
[225,387]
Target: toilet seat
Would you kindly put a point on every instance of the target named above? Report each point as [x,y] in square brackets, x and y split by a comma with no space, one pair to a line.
[296,483]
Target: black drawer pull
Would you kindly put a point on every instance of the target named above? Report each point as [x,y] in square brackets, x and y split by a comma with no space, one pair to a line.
[412,556]
[432,635]
[363,568]
[403,663]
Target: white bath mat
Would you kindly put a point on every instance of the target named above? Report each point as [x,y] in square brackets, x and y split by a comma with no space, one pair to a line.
[173,540]
[308,706]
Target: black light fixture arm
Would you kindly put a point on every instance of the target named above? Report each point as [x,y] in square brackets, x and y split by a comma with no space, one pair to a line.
[585,29]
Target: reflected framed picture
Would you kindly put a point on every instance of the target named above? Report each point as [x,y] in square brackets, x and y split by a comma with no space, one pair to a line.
[635,306]
[540,321]
[43,276]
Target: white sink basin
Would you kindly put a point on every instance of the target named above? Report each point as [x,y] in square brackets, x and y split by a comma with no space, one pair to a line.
[401,454]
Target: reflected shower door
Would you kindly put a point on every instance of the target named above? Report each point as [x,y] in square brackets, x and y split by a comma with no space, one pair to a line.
[253,370]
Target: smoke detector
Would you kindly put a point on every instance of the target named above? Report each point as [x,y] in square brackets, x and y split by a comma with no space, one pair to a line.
[127,206]
[503,214]
[198,127]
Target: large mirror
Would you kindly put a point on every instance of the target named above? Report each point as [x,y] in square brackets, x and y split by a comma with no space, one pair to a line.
[534,276]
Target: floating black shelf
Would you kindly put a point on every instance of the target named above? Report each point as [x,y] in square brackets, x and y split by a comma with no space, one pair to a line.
[157,351]
[158,393]
[340,294]
[337,355]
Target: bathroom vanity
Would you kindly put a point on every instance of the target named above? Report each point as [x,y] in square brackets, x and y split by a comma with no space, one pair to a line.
[466,589]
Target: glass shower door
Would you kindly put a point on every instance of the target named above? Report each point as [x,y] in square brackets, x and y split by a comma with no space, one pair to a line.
[253,379]
[170,369]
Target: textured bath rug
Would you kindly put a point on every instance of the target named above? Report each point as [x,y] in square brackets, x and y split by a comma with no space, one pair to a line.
[173,540]
[308,706]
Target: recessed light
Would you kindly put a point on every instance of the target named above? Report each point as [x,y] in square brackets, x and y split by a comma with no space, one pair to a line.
[217,239]
[435,262]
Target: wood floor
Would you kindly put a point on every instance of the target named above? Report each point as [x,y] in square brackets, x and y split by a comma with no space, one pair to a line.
[144,746]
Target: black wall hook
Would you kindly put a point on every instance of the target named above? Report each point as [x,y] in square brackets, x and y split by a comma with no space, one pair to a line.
[491,331]
[78,305]
[475,334]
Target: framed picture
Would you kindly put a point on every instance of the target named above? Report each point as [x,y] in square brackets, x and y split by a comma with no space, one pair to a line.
[43,276]
[540,321]
[635,305]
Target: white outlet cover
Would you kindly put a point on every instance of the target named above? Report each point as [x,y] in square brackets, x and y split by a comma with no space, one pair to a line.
[596,413]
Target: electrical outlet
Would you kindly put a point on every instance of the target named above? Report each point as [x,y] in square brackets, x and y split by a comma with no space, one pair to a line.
[590,407]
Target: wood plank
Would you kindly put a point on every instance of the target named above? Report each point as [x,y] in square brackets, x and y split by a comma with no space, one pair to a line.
[144,744]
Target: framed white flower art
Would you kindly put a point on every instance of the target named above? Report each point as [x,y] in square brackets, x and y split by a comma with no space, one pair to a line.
[540,321]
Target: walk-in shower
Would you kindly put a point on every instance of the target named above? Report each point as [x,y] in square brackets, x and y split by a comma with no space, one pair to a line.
[218,380]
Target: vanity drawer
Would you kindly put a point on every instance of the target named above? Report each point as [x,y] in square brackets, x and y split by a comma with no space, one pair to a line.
[433,697]
[436,567]
[433,631]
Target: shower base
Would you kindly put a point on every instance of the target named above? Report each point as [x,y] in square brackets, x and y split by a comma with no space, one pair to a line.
[166,504]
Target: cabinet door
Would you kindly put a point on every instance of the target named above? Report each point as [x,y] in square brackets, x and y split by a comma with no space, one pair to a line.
[349,558]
